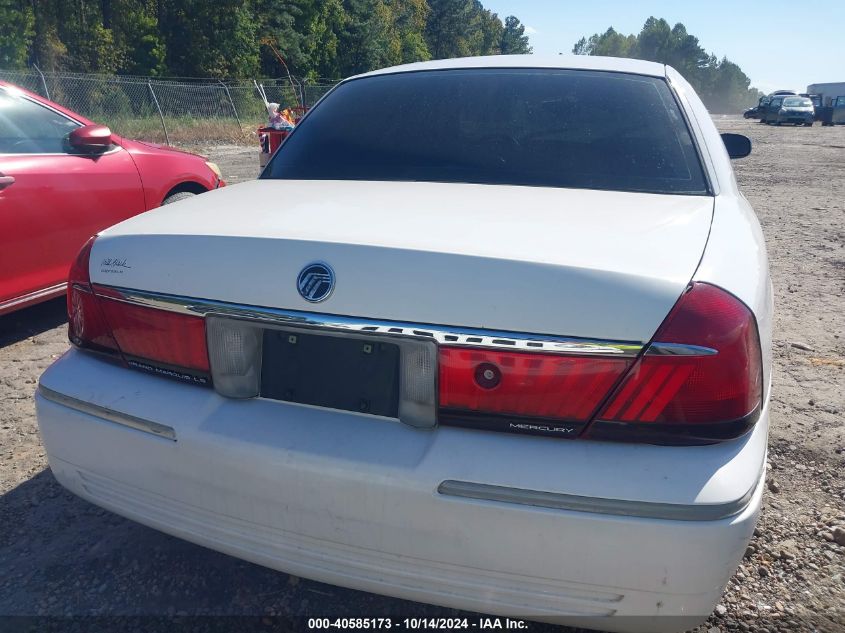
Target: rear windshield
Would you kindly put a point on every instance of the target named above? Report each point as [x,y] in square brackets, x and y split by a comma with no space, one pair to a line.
[797,102]
[552,128]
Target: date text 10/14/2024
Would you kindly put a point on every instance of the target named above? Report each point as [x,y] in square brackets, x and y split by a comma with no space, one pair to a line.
[437,624]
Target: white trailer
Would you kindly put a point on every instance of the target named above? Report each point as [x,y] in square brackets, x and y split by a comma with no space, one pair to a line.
[828,92]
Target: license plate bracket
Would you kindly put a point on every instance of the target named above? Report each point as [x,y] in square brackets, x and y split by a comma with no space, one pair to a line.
[336,372]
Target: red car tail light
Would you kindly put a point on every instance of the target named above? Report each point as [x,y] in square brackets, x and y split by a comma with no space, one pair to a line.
[160,341]
[87,326]
[700,379]
[523,391]
[173,339]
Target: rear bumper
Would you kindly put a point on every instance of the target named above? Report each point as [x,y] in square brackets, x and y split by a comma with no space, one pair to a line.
[353,500]
[795,118]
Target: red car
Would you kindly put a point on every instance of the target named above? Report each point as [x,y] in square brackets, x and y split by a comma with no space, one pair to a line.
[64,178]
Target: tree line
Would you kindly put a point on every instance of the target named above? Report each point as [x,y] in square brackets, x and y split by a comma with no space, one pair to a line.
[328,39]
[235,38]
[720,83]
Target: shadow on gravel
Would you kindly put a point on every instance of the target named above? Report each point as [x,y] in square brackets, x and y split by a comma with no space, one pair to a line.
[19,325]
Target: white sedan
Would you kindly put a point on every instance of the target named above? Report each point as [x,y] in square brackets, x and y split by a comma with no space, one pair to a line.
[487,333]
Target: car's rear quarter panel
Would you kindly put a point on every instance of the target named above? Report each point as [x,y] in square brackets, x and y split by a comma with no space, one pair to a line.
[735,259]
[735,255]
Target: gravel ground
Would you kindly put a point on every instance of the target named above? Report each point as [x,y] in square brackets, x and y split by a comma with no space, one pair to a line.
[61,556]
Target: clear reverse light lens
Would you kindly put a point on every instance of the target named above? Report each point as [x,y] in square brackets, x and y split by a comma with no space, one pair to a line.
[418,384]
[234,350]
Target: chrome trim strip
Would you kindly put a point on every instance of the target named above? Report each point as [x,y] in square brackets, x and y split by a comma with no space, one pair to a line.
[597,505]
[442,334]
[44,293]
[679,349]
[105,413]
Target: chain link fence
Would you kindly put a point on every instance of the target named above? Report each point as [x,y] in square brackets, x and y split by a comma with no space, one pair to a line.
[177,110]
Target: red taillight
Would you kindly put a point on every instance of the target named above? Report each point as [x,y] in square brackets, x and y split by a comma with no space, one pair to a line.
[700,379]
[516,391]
[165,342]
[86,325]
[707,383]
[157,335]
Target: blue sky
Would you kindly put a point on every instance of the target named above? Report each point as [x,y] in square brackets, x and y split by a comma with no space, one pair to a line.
[779,44]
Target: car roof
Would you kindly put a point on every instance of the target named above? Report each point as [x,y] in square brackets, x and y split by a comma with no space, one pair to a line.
[574,62]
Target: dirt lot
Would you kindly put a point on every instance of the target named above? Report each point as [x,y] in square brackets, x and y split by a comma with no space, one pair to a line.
[61,556]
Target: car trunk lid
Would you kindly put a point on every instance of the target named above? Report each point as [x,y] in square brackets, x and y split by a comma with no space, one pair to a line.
[578,263]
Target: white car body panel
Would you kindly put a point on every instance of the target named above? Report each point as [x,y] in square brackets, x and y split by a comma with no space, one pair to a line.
[352,500]
[636,472]
[451,254]
[736,260]
[357,500]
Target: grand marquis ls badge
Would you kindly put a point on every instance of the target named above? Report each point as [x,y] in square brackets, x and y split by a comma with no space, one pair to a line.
[315,282]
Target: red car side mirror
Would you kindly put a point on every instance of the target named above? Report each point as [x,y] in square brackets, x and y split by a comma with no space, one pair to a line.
[91,138]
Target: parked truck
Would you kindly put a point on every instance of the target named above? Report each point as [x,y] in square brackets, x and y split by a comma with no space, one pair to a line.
[832,99]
